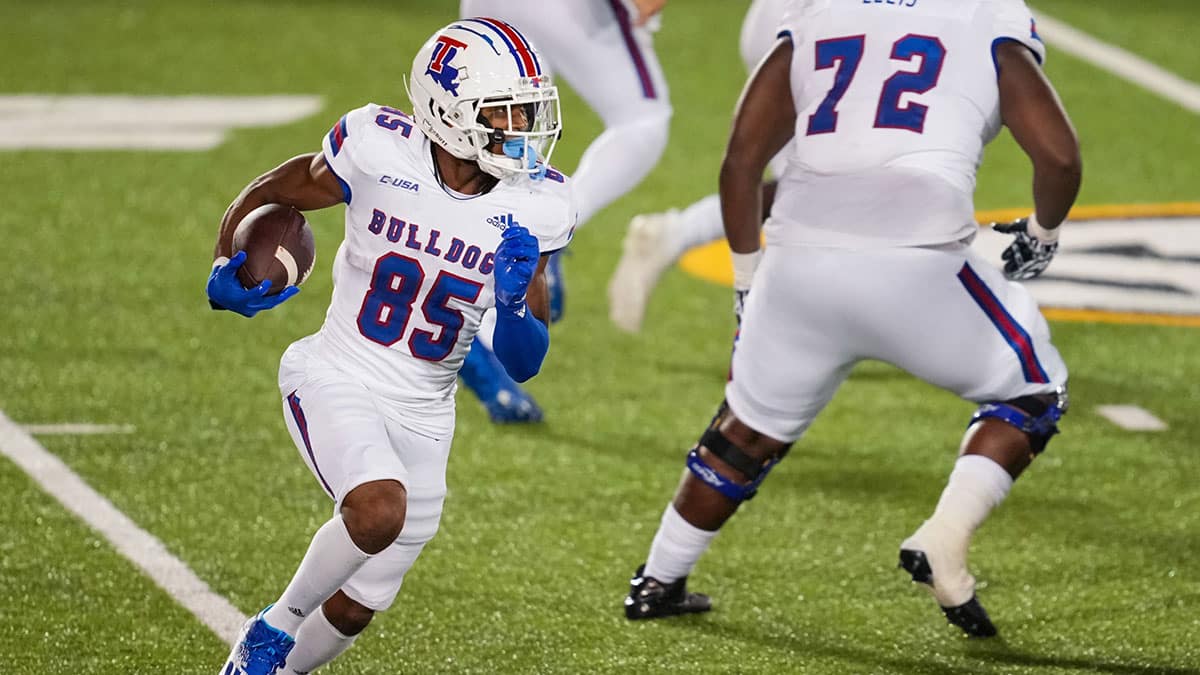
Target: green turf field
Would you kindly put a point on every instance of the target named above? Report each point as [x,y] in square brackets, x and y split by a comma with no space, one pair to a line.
[1091,566]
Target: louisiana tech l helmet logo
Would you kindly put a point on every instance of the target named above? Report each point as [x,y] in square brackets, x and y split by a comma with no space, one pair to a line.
[439,67]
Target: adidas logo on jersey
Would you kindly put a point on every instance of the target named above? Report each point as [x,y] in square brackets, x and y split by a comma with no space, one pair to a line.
[503,222]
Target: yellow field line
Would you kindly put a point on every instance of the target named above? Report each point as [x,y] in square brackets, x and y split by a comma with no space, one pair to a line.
[1102,212]
[1104,316]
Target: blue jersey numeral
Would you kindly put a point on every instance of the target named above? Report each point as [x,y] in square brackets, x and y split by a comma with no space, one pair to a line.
[392,119]
[388,303]
[847,52]
[910,116]
[438,312]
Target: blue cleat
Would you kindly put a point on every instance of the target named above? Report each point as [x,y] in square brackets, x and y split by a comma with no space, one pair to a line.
[504,399]
[556,283]
[259,650]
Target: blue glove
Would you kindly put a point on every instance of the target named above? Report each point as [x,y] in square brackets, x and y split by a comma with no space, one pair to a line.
[516,262]
[515,147]
[226,292]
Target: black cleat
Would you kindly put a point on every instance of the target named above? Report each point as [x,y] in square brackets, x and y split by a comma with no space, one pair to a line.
[649,598]
[970,616]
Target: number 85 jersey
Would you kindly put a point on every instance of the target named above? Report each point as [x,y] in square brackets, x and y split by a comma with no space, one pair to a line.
[894,100]
[413,276]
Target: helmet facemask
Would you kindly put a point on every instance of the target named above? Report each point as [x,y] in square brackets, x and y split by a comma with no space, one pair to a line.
[530,125]
[475,137]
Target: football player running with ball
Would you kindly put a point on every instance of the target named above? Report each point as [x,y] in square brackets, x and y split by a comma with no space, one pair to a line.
[449,212]
[868,257]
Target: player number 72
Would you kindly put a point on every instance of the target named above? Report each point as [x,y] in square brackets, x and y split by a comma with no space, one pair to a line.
[847,52]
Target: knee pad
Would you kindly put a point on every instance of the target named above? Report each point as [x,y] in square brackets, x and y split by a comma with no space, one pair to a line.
[1034,415]
[716,442]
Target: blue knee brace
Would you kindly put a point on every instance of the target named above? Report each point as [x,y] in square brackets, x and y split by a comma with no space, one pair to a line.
[1033,415]
[753,468]
[712,478]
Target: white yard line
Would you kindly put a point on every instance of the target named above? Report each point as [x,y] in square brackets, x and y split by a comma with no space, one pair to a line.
[124,122]
[1131,417]
[74,429]
[131,541]
[1119,62]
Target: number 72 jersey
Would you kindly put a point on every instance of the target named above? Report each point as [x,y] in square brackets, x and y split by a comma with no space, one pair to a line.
[895,100]
[414,273]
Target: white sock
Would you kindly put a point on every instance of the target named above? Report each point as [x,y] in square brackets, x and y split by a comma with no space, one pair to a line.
[317,643]
[332,558]
[976,486]
[700,223]
[676,547]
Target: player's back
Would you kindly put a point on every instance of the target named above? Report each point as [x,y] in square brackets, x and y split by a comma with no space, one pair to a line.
[895,100]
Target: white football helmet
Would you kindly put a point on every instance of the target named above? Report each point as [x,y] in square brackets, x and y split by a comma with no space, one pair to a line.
[478,63]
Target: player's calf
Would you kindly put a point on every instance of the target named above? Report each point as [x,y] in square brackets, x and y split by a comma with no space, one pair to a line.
[1002,438]
[726,467]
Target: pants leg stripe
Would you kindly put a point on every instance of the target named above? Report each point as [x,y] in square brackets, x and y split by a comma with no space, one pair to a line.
[1013,333]
[302,424]
[639,62]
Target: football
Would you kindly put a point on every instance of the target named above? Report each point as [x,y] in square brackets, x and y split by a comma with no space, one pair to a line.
[279,246]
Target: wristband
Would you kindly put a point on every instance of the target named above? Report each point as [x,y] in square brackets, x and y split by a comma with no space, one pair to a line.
[1035,229]
[744,265]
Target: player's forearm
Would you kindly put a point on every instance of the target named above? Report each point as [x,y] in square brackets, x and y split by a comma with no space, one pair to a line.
[520,342]
[250,198]
[537,296]
[294,183]
[741,205]
[1055,186]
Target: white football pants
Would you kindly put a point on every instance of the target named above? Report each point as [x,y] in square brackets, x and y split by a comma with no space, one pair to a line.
[346,441]
[944,314]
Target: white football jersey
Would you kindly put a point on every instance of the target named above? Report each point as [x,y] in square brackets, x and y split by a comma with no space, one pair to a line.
[413,276]
[895,100]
